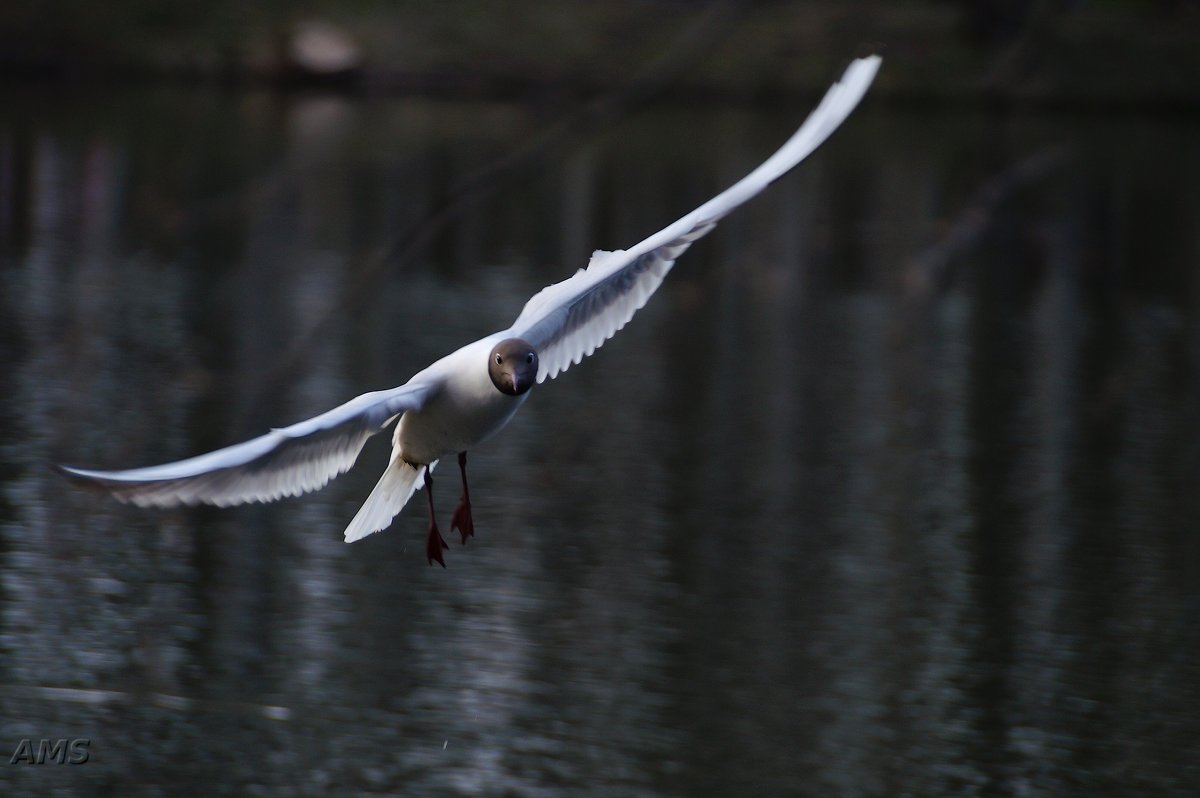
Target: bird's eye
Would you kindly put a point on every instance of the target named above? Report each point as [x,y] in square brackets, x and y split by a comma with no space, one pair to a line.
[499,359]
[529,358]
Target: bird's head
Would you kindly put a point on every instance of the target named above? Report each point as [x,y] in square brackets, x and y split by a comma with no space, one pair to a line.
[513,366]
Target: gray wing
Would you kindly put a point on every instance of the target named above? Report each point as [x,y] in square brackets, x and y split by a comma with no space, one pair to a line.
[567,321]
[284,462]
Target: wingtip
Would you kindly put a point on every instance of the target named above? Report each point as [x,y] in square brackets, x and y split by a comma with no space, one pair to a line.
[84,478]
[81,475]
[862,70]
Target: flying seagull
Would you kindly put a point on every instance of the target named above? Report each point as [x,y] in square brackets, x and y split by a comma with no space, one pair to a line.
[469,395]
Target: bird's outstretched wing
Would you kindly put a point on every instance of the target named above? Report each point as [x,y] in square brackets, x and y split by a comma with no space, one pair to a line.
[567,321]
[284,462]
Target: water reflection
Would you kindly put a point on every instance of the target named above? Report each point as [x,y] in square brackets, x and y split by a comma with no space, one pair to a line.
[806,527]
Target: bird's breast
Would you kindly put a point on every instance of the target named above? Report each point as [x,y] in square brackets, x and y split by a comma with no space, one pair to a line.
[465,412]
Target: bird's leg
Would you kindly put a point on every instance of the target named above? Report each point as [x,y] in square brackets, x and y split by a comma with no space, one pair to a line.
[434,542]
[462,514]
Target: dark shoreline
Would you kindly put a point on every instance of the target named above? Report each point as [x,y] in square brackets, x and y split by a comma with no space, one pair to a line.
[1122,58]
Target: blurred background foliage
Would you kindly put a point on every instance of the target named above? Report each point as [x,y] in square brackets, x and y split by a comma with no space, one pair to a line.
[1045,51]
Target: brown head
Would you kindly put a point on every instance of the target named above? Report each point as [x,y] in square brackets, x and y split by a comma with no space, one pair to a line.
[513,366]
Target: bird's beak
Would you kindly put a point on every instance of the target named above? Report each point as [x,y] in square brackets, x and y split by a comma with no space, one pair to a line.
[516,383]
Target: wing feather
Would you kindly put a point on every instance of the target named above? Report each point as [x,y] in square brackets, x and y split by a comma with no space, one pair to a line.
[569,320]
[284,462]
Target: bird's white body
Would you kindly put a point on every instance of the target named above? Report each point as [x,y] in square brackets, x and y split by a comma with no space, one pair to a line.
[463,414]
[457,402]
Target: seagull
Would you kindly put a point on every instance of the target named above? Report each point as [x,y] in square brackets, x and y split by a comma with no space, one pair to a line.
[469,395]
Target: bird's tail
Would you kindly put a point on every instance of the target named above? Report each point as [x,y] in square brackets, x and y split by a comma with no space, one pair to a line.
[397,485]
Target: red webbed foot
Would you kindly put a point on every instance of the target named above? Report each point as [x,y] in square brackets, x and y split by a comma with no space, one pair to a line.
[435,544]
[462,521]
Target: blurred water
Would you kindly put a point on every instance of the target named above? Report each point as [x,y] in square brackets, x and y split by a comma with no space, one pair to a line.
[889,491]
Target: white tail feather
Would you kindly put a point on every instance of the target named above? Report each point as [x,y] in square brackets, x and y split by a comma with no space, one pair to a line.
[397,485]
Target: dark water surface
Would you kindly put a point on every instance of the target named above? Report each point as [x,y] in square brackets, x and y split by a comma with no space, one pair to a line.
[890,490]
